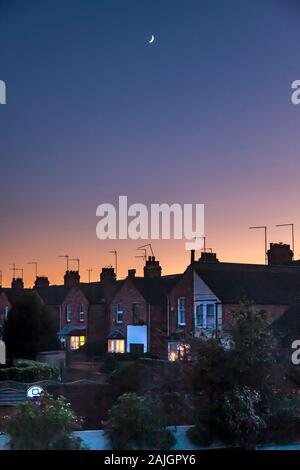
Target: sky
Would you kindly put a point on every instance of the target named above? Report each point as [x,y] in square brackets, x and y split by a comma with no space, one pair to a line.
[202,115]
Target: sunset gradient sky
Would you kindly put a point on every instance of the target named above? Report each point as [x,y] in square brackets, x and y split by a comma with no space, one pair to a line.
[203,115]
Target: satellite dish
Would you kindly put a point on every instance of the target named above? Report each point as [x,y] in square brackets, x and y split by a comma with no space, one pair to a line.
[35,391]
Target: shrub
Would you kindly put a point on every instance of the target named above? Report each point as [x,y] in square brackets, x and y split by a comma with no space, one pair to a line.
[29,371]
[138,423]
[236,417]
[110,363]
[43,424]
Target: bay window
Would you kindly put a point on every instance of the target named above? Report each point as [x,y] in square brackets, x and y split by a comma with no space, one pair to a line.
[205,315]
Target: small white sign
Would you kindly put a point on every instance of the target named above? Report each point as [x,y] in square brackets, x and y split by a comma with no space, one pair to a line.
[34,391]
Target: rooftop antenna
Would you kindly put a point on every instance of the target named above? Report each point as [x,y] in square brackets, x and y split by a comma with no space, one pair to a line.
[116,259]
[36,266]
[67,259]
[22,272]
[266,243]
[13,269]
[0,277]
[144,256]
[89,273]
[293,235]
[146,246]
[77,261]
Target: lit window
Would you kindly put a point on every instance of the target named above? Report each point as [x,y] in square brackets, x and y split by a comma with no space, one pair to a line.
[76,342]
[118,314]
[69,313]
[205,315]
[116,345]
[81,313]
[177,350]
[181,311]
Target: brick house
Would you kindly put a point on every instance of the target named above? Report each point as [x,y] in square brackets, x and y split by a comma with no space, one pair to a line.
[209,292]
[138,311]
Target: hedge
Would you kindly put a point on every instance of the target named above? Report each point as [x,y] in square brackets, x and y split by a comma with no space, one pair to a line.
[29,371]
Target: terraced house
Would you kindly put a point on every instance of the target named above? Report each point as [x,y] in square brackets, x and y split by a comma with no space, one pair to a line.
[157,313]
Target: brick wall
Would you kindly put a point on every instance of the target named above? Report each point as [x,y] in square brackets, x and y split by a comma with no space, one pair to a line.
[75,297]
[98,323]
[126,296]
[184,288]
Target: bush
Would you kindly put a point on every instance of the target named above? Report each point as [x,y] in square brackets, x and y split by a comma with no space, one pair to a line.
[138,423]
[236,417]
[29,371]
[110,363]
[43,424]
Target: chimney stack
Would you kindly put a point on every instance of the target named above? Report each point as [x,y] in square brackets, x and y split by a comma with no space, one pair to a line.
[192,256]
[279,253]
[71,279]
[107,275]
[208,257]
[17,283]
[131,272]
[41,281]
[152,268]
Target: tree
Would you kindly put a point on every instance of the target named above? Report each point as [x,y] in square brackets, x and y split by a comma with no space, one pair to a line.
[29,328]
[237,417]
[138,423]
[235,388]
[43,424]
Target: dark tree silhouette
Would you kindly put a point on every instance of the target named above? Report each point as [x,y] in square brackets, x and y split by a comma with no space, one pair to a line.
[29,328]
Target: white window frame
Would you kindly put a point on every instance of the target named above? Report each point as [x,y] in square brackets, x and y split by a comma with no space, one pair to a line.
[180,311]
[118,311]
[69,313]
[6,310]
[205,303]
[81,313]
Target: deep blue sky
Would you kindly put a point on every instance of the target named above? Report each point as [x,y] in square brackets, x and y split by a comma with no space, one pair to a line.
[94,111]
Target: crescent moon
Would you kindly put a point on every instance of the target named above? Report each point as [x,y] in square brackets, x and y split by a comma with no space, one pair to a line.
[152,39]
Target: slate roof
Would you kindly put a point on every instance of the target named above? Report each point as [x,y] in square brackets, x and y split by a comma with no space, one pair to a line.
[72,330]
[155,290]
[230,282]
[115,335]
[13,294]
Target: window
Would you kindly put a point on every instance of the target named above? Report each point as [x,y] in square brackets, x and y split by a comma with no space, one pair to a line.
[69,313]
[172,351]
[76,342]
[135,314]
[81,313]
[205,315]
[116,345]
[6,310]
[178,350]
[118,314]
[181,311]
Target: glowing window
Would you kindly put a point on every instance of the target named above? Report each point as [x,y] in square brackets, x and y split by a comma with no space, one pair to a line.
[76,342]
[116,345]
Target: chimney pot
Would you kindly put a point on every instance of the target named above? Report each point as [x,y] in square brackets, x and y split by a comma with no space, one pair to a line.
[71,279]
[107,275]
[17,283]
